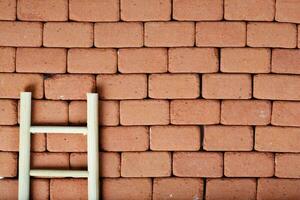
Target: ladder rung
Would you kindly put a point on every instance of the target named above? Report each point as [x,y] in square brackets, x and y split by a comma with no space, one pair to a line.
[59,173]
[59,129]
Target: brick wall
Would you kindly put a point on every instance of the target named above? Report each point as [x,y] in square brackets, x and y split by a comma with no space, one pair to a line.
[199,99]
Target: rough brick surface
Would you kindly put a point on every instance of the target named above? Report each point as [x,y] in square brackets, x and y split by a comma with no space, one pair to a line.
[68,189]
[9,162]
[287,11]
[8,112]
[50,161]
[7,59]
[287,165]
[286,113]
[286,61]
[66,143]
[8,9]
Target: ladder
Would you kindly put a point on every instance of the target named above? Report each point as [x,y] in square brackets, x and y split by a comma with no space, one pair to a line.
[91,130]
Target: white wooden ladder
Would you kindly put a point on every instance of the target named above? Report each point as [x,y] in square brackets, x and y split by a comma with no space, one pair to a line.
[92,148]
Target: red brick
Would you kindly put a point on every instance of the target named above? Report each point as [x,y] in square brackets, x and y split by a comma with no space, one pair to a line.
[120,86]
[177,188]
[25,34]
[267,34]
[198,10]
[277,87]
[7,59]
[8,112]
[49,10]
[8,9]
[94,10]
[174,86]
[287,165]
[230,189]
[228,138]
[287,11]
[50,161]
[66,143]
[108,112]
[124,138]
[144,112]
[69,87]
[226,86]
[12,84]
[278,189]
[9,140]
[221,34]
[245,112]
[193,60]
[62,189]
[248,164]
[195,112]
[109,163]
[286,113]
[41,60]
[146,164]
[130,188]
[277,139]
[169,34]
[9,162]
[175,138]
[251,10]
[197,164]
[68,34]
[121,34]
[136,10]
[286,61]
[143,60]
[245,60]
[92,61]
[39,189]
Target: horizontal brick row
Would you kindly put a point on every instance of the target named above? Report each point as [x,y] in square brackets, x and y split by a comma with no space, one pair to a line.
[150,34]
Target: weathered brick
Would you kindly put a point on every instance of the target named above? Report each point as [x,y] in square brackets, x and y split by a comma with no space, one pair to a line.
[94,10]
[41,60]
[228,138]
[250,10]
[69,87]
[124,138]
[277,87]
[121,34]
[108,112]
[131,188]
[25,34]
[245,112]
[66,143]
[174,86]
[144,112]
[48,10]
[286,61]
[221,34]
[146,164]
[68,34]
[8,9]
[8,112]
[92,61]
[287,165]
[277,139]
[9,164]
[287,11]
[177,188]
[119,86]
[109,163]
[61,189]
[136,10]
[195,112]
[198,164]
[50,160]
[7,59]
[245,60]
[277,189]
[226,86]
[169,34]
[193,60]
[285,113]
[198,10]
[12,84]
[143,60]
[230,189]
[267,34]
[248,164]
[175,138]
